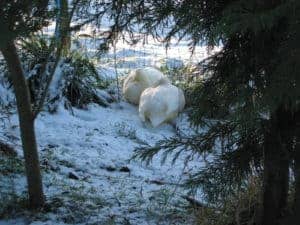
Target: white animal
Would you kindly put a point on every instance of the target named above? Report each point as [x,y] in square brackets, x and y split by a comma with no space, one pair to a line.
[161,103]
[138,80]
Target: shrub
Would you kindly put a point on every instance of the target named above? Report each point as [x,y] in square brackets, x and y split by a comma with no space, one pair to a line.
[81,86]
[34,53]
[185,77]
[76,82]
[243,208]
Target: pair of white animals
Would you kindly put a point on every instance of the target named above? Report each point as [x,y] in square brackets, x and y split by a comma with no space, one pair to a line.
[159,101]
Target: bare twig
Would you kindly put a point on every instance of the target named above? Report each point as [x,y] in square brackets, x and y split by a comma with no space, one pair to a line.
[116,71]
[75,4]
[193,201]
[39,107]
[78,26]
[58,43]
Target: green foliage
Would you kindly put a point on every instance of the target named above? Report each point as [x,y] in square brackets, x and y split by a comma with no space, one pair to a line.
[245,207]
[186,77]
[35,50]
[10,166]
[253,77]
[10,163]
[163,206]
[28,17]
[12,204]
[232,159]
[81,86]
[80,80]
[181,76]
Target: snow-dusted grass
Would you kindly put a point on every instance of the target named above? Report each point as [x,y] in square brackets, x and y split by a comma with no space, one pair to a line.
[87,173]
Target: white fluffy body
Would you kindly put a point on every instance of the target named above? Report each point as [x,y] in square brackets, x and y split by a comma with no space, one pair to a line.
[161,103]
[138,80]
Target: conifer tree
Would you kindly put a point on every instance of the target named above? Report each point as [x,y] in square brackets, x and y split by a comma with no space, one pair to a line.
[251,91]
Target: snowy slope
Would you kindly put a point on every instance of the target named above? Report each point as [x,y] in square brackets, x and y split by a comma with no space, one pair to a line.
[88,154]
[88,175]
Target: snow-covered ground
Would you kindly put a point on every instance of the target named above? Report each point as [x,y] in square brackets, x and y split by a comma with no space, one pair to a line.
[85,160]
[85,155]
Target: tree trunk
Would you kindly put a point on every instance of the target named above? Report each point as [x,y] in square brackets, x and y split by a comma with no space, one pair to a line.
[297,168]
[34,179]
[63,33]
[297,185]
[276,173]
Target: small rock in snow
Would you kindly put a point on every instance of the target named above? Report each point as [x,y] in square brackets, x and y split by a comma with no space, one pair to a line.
[125,169]
[108,168]
[73,176]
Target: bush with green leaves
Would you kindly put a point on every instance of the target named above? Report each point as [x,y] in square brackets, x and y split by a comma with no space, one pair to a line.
[81,86]
[76,86]
[245,207]
[34,53]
